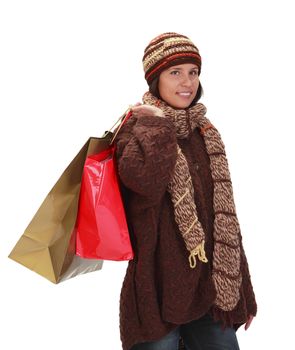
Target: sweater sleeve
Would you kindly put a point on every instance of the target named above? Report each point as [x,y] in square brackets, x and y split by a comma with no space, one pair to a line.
[247,287]
[146,154]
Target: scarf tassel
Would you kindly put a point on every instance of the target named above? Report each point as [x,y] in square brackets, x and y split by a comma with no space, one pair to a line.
[200,252]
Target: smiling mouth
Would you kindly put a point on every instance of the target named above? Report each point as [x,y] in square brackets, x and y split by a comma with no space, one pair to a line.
[184,94]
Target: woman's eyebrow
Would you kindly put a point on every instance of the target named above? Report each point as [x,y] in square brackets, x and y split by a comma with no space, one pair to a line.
[179,68]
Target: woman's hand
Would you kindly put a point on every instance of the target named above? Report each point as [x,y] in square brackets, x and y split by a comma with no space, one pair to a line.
[248,323]
[139,110]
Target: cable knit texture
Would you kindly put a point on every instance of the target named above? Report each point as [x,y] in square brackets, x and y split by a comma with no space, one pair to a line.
[160,289]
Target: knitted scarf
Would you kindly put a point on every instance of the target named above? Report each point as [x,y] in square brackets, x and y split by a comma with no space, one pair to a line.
[226,272]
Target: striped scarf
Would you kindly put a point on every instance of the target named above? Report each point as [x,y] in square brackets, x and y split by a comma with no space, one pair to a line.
[226,272]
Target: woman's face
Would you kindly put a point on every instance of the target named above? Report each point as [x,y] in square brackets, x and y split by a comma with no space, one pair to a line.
[178,85]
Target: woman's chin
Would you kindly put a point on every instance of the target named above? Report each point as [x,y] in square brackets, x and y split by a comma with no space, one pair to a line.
[179,105]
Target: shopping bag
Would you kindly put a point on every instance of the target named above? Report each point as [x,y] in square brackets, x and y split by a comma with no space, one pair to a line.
[102,231]
[48,244]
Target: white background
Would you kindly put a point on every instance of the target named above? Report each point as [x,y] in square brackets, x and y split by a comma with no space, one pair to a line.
[68,70]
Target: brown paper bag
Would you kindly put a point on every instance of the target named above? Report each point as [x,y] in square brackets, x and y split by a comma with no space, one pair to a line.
[48,244]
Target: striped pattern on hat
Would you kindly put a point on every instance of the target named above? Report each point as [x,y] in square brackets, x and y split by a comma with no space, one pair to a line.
[167,50]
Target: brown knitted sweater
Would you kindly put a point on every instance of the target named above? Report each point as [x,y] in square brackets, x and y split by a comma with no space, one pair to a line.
[160,290]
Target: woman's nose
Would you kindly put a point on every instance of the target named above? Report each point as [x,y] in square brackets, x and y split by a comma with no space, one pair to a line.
[186,81]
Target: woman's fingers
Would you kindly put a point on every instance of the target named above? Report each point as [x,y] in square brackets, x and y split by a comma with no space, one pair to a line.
[135,105]
[140,110]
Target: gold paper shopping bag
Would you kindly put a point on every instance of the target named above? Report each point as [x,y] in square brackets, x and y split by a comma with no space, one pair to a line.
[48,244]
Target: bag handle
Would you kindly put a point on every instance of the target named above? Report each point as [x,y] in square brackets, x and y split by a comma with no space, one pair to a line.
[122,120]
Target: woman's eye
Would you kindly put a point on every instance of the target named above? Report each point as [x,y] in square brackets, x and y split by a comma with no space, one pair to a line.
[194,72]
[174,72]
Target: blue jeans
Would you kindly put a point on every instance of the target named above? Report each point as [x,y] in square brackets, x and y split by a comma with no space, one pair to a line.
[202,334]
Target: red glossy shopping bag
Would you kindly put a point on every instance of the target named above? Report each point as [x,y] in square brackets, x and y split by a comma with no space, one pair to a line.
[102,231]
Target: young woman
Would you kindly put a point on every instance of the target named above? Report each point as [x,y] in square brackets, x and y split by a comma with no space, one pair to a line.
[190,276]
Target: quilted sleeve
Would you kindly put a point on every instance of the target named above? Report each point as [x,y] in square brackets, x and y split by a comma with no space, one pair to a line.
[146,151]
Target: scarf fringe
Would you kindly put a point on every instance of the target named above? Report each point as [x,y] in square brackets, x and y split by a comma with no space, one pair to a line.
[222,316]
[225,317]
[200,252]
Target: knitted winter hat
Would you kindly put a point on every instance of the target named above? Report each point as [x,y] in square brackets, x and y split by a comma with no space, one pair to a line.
[166,50]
